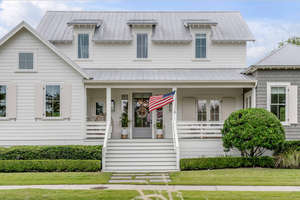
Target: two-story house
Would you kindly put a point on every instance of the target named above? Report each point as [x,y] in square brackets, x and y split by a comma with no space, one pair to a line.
[74,78]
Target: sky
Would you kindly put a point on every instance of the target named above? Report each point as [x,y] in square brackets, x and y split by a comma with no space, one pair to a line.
[271,21]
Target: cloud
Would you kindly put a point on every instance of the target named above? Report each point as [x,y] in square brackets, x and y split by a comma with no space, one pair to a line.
[268,34]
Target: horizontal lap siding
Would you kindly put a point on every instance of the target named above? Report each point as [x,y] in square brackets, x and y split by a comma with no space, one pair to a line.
[50,68]
[292,76]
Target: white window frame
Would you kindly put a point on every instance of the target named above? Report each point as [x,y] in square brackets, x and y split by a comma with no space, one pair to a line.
[208,101]
[149,33]
[77,32]
[286,86]
[206,59]
[34,69]
[248,97]
[4,84]
[60,100]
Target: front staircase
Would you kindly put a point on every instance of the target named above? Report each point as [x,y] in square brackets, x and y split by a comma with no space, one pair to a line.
[140,155]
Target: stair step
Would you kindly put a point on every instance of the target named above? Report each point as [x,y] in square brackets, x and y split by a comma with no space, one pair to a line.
[141,169]
[144,151]
[140,148]
[141,164]
[141,159]
[153,155]
[140,144]
[135,141]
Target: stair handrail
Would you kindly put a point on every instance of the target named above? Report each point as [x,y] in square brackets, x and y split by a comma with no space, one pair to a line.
[107,135]
[176,143]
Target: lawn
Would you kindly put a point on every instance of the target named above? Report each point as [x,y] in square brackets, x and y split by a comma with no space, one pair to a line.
[38,194]
[52,178]
[242,176]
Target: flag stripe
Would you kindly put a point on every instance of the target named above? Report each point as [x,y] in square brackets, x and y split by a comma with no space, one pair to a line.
[157,102]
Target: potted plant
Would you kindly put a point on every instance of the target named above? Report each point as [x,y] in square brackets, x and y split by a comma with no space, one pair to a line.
[124,124]
[159,130]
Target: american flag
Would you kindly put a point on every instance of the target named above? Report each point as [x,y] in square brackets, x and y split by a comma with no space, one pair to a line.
[157,102]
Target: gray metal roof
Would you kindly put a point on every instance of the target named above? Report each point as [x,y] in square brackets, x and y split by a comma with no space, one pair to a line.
[170,25]
[287,56]
[168,75]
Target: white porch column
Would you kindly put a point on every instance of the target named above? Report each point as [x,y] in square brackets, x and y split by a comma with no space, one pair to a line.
[174,105]
[108,104]
[253,97]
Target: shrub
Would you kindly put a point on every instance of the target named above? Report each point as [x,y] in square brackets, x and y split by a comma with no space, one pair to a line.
[288,159]
[252,131]
[225,162]
[288,146]
[70,152]
[50,165]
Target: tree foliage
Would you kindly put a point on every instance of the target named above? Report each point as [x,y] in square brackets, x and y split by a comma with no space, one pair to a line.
[292,40]
[252,131]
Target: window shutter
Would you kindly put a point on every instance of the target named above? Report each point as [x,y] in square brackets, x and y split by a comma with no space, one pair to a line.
[66,101]
[11,101]
[39,100]
[293,104]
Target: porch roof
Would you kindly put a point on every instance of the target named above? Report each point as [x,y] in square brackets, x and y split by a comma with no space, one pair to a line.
[169,75]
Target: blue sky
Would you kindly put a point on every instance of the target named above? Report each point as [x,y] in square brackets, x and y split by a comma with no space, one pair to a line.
[271,21]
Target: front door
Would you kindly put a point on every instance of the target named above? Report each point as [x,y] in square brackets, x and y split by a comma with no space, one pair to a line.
[142,118]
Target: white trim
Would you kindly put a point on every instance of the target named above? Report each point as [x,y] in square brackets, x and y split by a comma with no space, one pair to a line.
[35,60]
[195,32]
[90,33]
[149,36]
[23,24]
[45,101]
[247,96]
[279,84]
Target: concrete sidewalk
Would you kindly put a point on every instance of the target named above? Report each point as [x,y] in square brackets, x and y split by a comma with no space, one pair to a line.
[157,187]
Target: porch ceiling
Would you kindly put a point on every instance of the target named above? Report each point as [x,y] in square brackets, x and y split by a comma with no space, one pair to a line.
[169,75]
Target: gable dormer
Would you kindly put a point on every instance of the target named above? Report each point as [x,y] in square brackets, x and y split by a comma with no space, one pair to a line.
[83,34]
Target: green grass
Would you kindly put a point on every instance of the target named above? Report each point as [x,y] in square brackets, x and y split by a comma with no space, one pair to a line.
[53,178]
[39,194]
[242,176]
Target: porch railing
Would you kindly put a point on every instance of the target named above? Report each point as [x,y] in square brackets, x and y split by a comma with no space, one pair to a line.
[199,130]
[108,131]
[176,143]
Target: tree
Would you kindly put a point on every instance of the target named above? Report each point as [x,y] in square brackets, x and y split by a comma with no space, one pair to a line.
[252,131]
[292,40]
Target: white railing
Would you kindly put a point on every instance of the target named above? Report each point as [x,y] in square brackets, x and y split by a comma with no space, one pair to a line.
[95,129]
[176,143]
[199,130]
[108,131]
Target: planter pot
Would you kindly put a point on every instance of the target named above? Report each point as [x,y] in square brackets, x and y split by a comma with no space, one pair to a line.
[159,133]
[124,133]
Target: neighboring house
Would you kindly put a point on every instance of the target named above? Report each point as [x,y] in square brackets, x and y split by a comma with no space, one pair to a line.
[73,78]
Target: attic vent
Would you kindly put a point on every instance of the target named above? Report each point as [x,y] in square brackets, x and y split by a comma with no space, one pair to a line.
[198,22]
[142,22]
[86,22]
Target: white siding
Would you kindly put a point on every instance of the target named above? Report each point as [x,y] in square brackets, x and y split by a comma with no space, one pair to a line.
[220,55]
[26,129]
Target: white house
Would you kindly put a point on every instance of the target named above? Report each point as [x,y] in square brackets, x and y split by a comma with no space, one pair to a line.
[72,79]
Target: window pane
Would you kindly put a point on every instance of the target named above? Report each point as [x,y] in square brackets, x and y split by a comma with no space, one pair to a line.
[274,98]
[99,108]
[202,110]
[83,45]
[2,101]
[200,45]
[282,113]
[25,60]
[52,101]
[214,110]
[142,45]
[274,110]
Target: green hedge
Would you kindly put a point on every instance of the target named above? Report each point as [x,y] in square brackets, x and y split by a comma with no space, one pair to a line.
[288,146]
[50,165]
[225,162]
[68,152]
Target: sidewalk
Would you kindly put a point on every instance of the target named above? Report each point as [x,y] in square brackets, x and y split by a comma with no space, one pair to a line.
[157,187]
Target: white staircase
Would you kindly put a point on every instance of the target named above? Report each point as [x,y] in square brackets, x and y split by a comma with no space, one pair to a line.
[95,129]
[140,155]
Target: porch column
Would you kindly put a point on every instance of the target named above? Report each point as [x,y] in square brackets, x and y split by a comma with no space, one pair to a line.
[108,104]
[253,95]
[174,105]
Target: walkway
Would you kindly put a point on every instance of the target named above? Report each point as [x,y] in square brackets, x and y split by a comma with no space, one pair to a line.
[157,187]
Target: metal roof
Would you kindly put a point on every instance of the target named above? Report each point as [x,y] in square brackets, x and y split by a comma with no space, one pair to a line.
[189,22]
[142,22]
[170,25]
[281,58]
[188,75]
[95,22]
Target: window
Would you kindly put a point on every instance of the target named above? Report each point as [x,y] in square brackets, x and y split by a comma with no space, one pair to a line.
[83,46]
[202,113]
[214,110]
[26,61]
[2,101]
[200,45]
[278,102]
[142,45]
[53,101]
[99,108]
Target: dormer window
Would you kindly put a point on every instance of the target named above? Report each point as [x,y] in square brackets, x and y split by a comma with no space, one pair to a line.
[83,46]
[200,46]
[142,45]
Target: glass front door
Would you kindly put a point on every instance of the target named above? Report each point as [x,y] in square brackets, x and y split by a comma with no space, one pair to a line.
[142,118]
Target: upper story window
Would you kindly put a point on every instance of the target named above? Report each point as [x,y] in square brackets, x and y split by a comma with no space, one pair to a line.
[26,61]
[142,45]
[2,100]
[200,45]
[53,103]
[278,102]
[83,46]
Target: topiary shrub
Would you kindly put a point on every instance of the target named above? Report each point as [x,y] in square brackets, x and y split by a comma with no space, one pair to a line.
[252,131]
